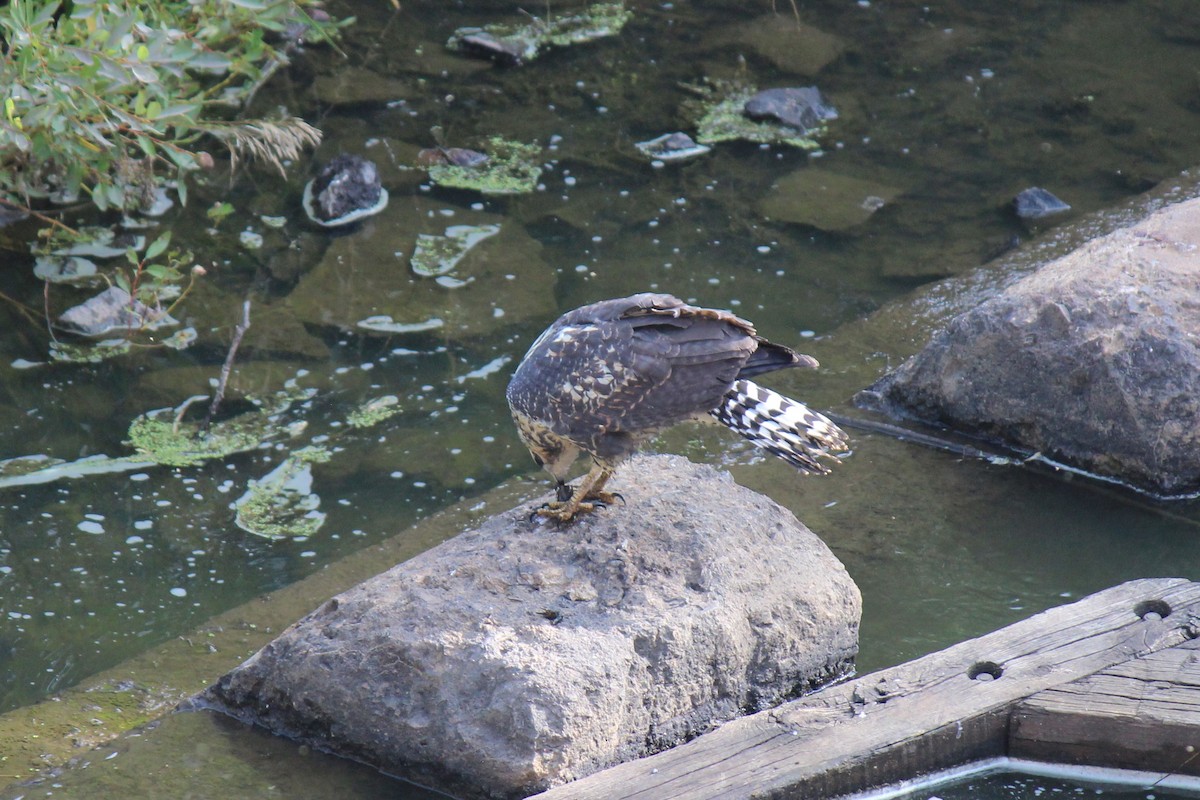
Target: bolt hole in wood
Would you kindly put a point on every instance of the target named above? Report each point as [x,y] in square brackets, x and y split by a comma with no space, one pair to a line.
[1152,610]
[985,671]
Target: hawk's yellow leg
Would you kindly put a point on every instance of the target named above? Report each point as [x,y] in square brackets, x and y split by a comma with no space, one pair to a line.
[589,489]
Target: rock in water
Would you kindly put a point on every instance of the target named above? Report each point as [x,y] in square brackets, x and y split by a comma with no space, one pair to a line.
[520,655]
[1036,203]
[672,147]
[803,109]
[345,190]
[1093,360]
[113,313]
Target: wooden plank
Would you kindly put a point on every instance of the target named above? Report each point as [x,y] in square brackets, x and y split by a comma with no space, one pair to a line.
[1141,714]
[928,714]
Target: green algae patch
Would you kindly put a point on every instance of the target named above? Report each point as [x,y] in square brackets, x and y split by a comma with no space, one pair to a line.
[511,168]
[90,353]
[436,255]
[374,411]
[719,110]
[513,45]
[282,504]
[159,437]
[48,734]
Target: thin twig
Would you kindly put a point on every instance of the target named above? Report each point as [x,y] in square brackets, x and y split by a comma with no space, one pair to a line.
[182,409]
[46,310]
[219,395]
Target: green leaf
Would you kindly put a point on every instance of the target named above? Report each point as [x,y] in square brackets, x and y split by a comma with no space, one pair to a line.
[178,110]
[162,273]
[158,246]
[144,72]
[121,281]
[211,61]
[219,211]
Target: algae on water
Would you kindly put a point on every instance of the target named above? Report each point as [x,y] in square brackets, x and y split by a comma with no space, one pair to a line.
[158,437]
[436,255]
[720,113]
[90,353]
[374,411]
[511,168]
[517,44]
[282,504]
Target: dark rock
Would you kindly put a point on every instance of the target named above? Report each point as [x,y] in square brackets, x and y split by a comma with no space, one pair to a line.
[346,189]
[520,655]
[508,51]
[1036,203]
[455,156]
[672,147]
[803,109]
[1093,360]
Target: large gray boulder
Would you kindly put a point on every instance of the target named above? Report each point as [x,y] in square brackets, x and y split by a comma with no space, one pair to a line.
[1093,360]
[520,655]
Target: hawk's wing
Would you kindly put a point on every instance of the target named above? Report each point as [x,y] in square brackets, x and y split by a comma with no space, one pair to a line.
[631,367]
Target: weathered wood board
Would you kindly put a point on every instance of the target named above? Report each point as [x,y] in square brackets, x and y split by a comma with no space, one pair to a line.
[951,707]
[1141,714]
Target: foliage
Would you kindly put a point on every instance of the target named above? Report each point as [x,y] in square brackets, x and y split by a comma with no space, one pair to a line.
[112,99]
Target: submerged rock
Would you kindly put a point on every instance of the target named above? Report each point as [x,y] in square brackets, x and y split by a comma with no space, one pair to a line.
[346,190]
[791,45]
[825,200]
[1092,361]
[1036,203]
[519,655]
[364,283]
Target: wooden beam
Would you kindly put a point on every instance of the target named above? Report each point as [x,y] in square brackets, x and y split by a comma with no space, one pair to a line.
[1141,714]
[945,709]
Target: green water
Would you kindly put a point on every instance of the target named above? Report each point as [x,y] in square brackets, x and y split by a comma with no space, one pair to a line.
[955,107]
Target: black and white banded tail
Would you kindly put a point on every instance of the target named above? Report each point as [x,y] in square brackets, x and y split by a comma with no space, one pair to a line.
[787,429]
